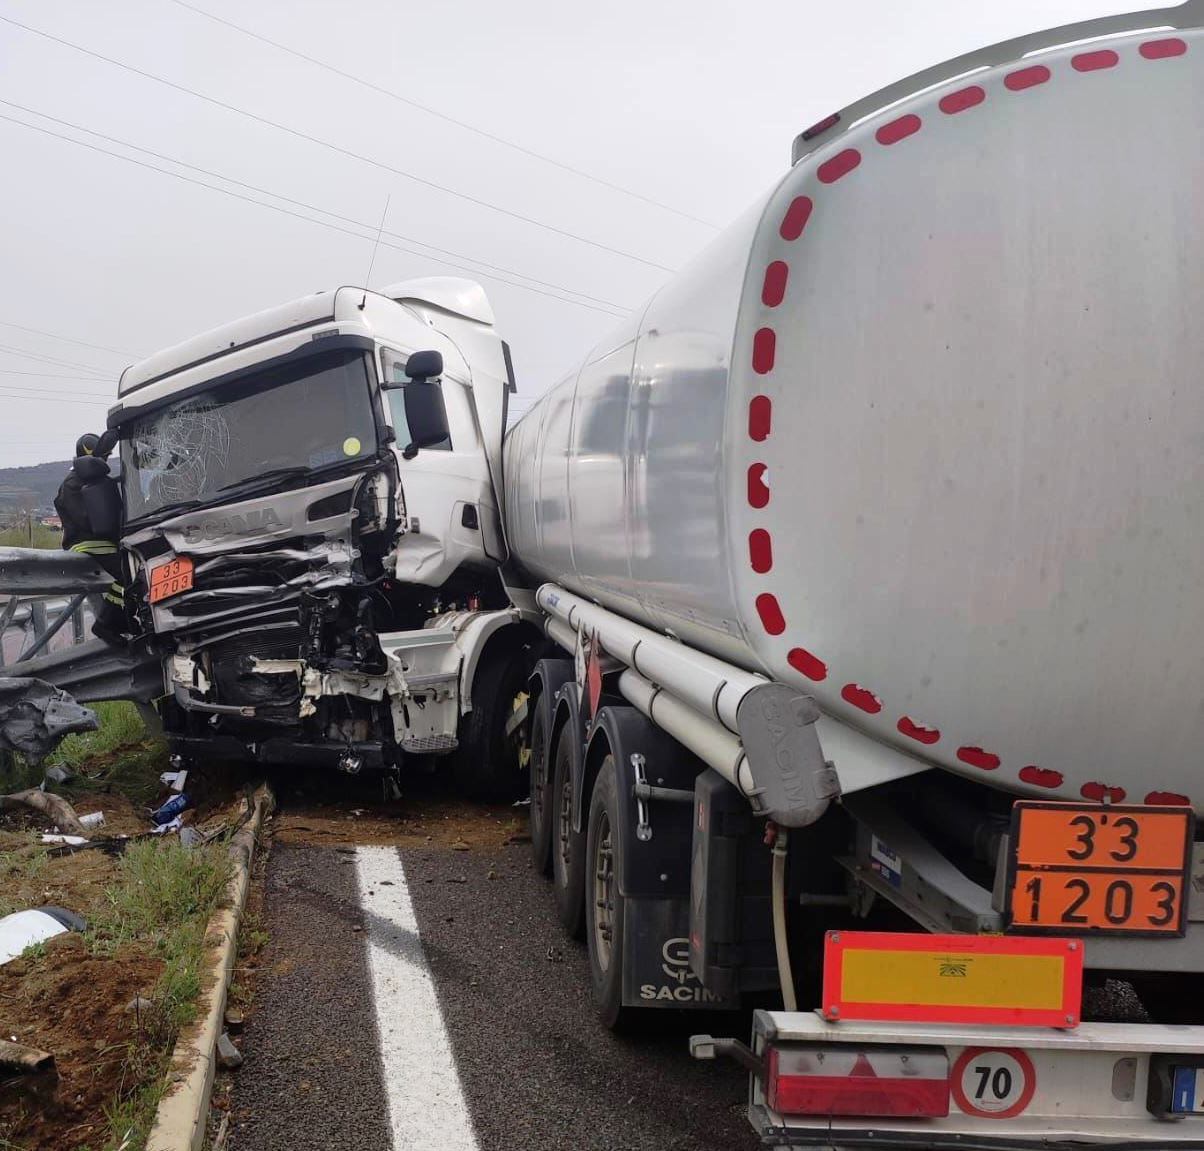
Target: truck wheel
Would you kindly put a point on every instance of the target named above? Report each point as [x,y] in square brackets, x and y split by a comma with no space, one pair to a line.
[542,810]
[486,764]
[568,846]
[604,917]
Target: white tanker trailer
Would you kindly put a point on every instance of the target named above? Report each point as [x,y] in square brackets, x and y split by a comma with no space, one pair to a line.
[887,510]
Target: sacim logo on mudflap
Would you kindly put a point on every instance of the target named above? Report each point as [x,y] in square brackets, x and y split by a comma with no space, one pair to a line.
[252,524]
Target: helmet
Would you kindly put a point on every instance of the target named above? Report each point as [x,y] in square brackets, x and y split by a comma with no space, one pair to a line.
[86,444]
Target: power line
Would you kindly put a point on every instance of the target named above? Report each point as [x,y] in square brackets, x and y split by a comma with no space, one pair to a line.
[298,215]
[67,339]
[334,147]
[482,132]
[49,376]
[100,372]
[77,397]
[622,308]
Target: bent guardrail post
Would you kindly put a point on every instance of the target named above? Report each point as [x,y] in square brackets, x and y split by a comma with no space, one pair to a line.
[48,633]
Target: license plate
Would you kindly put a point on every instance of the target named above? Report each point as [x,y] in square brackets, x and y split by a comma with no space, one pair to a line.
[1079,869]
[1187,1090]
[170,579]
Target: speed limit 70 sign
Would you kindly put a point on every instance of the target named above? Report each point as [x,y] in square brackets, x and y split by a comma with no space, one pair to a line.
[993,1082]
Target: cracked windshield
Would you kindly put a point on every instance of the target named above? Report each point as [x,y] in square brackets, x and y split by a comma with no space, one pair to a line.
[311,415]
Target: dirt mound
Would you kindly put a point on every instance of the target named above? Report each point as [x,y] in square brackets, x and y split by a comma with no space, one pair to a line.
[73,1005]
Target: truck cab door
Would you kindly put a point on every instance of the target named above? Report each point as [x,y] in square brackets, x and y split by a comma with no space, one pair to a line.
[447,486]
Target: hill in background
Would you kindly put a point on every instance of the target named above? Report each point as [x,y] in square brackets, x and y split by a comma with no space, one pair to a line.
[31,487]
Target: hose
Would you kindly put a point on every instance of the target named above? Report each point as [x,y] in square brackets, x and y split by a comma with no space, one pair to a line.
[785,976]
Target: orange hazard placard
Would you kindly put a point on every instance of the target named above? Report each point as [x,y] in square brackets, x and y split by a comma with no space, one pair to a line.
[1080,869]
[170,578]
[1035,982]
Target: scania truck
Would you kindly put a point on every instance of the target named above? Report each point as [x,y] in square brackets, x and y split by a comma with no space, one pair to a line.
[841,609]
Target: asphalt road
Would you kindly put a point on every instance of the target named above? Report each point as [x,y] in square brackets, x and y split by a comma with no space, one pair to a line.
[480,1035]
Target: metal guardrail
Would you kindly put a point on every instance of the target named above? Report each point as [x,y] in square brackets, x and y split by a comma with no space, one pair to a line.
[37,620]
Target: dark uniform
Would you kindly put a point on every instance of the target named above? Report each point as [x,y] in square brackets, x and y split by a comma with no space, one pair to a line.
[110,624]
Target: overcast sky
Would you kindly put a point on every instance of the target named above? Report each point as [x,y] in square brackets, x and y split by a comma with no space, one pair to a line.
[693,106]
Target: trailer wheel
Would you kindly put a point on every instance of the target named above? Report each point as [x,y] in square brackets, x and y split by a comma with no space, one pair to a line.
[568,846]
[542,810]
[604,902]
[486,764]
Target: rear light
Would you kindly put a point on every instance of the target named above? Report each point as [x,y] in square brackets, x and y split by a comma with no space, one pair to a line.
[873,1082]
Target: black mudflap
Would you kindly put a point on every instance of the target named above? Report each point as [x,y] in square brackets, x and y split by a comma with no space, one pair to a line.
[656,959]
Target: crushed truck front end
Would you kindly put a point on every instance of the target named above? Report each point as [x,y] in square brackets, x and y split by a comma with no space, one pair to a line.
[313,569]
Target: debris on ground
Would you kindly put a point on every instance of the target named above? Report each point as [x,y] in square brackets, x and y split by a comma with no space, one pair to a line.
[49,804]
[35,717]
[25,929]
[172,809]
[228,1056]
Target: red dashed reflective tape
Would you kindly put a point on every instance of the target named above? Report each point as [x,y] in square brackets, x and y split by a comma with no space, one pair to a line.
[861,697]
[962,99]
[765,344]
[1026,78]
[840,165]
[1168,798]
[760,417]
[1094,61]
[898,130]
[770,612]
[1163,49]
[773,290]
[1041,776]
[758,489]
[811,666]
[796,218]
[920,732]
[760,408]
[976,757]
[760,551]
[1101,792]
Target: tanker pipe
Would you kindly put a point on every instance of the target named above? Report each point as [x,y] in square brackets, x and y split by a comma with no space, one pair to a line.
[780,941]
[714,745]
[712,688]
[561,633]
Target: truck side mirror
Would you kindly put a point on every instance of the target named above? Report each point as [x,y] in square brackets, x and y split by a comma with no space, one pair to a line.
[426,416]
[423,366]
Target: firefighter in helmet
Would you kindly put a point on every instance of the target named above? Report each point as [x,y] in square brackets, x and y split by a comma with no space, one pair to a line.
[78,536]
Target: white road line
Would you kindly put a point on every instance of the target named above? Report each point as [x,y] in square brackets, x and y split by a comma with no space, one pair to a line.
[427,1108]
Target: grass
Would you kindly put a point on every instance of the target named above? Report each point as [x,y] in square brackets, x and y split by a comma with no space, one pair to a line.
[18,537]
[16,866]
[120,727]
[163,899]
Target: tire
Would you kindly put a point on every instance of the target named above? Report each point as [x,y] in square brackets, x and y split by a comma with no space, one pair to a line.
[604,918]
[567,845]
[542,813]
[486,765]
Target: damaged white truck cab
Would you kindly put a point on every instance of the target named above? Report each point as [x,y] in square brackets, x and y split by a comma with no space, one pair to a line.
[311,513]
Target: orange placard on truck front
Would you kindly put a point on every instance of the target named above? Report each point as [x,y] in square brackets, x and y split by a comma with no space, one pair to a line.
[170,578]
[1080,869]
